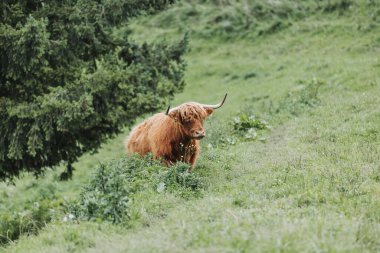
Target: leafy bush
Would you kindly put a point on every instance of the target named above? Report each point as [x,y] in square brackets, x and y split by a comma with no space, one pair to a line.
[179,180]
[110,193]
[243,127]
[246,126]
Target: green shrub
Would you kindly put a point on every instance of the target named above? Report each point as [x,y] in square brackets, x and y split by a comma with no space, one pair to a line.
[109,194]
[179,180]
[243,127]
[246,126]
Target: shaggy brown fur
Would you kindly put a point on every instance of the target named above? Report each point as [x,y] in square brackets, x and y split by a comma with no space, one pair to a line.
[173,137]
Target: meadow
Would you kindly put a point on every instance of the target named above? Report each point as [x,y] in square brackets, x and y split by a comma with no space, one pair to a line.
[290,163]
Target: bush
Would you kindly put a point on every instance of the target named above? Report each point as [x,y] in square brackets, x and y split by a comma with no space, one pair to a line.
[179,180]
[110,193]
[244,127]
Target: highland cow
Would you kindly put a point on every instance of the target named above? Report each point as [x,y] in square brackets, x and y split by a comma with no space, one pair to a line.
[172,136]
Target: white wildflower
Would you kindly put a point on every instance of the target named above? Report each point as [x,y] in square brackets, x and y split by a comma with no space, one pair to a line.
[161,187]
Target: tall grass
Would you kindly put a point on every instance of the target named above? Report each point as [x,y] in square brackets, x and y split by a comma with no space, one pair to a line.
[251,18]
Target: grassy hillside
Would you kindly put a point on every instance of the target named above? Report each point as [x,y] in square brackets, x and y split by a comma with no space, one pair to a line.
[310,182]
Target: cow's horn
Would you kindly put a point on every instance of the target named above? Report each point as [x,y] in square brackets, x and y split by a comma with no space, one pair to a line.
[167,111]
[217,105]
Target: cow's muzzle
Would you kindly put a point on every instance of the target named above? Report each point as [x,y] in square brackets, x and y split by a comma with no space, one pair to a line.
[199,135]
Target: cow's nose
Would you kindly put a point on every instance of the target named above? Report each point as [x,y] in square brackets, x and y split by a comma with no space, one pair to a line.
[200,134]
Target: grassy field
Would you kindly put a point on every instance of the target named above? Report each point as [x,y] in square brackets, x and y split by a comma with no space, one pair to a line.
[310,182]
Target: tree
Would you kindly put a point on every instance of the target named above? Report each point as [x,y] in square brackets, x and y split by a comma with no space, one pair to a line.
[69,78]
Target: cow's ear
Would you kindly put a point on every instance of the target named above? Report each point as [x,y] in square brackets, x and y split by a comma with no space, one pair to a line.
[209,111]
[174,115]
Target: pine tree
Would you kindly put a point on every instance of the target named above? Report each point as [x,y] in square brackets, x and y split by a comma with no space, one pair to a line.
[69,78]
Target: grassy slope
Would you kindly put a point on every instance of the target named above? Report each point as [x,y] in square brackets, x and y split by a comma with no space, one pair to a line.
[312,186]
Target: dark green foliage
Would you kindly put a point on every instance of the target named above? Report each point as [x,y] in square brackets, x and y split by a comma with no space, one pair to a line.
[69,80]
[179,178]
[337,5]
[105,197]
[250,75]
[110,193]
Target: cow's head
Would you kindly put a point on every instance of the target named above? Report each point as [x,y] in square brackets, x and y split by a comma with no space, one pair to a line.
[191,115]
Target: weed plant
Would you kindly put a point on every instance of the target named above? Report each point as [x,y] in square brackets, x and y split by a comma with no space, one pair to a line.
[108,196]
[245,126]
[26,222]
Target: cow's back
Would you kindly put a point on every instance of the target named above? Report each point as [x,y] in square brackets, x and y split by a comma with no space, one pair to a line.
[141,138]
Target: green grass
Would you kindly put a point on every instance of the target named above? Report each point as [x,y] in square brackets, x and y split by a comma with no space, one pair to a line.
[313,182]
